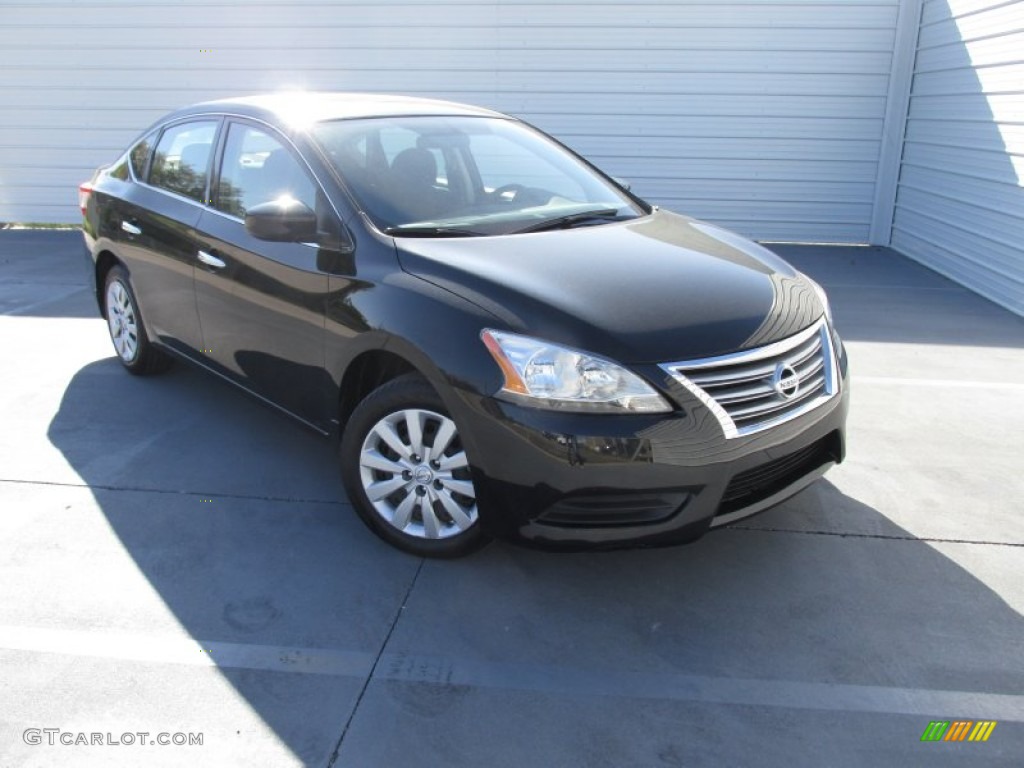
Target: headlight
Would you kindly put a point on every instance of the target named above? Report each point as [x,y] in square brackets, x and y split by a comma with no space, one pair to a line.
[548,375]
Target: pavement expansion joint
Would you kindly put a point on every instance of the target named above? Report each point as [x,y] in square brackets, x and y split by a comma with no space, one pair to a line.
[376,663]
[175,492]
[884,536]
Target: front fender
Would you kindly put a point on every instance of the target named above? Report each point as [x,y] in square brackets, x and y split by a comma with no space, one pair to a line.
[430,328]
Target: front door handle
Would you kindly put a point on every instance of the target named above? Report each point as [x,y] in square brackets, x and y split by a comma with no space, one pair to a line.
[130,228]
[212,261]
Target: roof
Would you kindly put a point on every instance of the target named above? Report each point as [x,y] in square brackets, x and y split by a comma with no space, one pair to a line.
[305,107]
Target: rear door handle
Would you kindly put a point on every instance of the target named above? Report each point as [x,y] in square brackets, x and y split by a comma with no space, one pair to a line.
[130,228]
[212,261]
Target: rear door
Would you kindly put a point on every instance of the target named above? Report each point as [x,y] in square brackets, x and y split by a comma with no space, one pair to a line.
[155,223]
[262,304]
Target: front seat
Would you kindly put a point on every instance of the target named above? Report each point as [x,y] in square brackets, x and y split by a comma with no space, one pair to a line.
[281,175]
[413,186]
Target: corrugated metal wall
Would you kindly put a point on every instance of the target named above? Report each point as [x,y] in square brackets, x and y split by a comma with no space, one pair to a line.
[764,116]
[960,200]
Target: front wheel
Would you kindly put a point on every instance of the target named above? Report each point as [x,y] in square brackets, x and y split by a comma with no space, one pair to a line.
[407,472]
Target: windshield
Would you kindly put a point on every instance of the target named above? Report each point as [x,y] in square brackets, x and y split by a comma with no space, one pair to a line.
[465,176]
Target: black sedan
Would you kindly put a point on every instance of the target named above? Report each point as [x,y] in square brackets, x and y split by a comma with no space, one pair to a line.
[506,341]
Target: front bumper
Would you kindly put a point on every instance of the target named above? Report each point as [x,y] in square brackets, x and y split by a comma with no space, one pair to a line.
[580,480]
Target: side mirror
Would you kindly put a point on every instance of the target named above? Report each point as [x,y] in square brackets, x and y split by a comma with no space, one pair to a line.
[284,220]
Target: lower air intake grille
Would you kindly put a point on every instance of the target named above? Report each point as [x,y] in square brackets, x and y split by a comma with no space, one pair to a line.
[614,509]
[758,483]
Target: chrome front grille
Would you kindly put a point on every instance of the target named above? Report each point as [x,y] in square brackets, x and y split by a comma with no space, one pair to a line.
[759,388]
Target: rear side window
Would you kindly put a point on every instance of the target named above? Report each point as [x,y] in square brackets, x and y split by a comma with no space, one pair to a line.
[182,158]
[138,156]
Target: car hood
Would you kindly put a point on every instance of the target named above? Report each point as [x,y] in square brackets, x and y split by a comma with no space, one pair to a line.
[659,288]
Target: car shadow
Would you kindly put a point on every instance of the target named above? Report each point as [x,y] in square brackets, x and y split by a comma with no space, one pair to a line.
[235,516]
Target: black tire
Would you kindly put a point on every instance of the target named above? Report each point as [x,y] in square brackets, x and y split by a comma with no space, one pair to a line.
[124,322]
[432,511]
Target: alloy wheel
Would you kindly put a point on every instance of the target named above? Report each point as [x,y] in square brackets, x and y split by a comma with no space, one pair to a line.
[415,473]
[121,317]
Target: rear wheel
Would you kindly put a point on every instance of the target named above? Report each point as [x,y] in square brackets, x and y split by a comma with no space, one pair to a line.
[121,308]
[407,472]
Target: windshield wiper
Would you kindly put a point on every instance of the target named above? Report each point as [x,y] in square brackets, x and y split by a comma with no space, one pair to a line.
[564,222]
[415,231]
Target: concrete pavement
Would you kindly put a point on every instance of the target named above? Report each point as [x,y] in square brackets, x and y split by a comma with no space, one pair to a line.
[180,559]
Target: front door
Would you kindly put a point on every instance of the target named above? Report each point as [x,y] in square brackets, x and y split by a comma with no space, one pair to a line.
[262,304]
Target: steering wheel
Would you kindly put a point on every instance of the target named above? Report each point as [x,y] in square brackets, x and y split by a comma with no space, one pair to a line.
[508,193]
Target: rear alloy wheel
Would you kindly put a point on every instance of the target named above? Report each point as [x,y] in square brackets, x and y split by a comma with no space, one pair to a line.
[133,347]
[407,471]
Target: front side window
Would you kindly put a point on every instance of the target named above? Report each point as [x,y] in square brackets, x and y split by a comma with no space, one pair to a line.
[258,168]
[465,176]
[182,159]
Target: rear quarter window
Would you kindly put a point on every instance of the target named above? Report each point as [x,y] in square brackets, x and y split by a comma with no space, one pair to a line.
[138,156]
[120,169]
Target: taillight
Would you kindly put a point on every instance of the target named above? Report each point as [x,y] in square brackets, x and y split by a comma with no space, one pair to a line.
[84,190]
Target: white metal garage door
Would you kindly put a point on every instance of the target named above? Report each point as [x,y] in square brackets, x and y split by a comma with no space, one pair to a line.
[764,116]
[960,201]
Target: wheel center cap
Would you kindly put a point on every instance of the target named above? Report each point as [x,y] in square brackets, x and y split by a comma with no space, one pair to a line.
[423,475]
